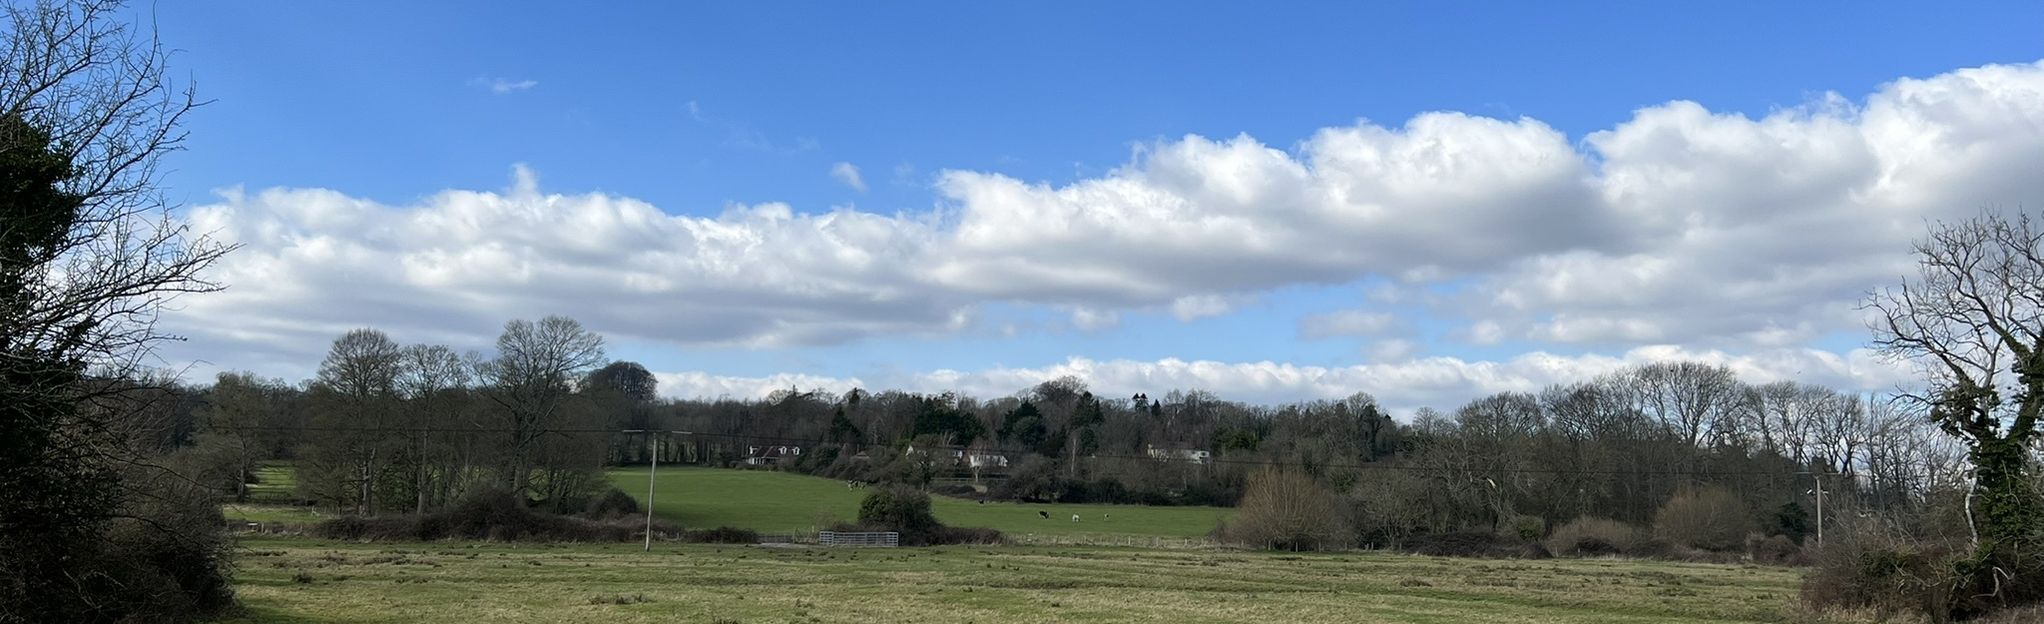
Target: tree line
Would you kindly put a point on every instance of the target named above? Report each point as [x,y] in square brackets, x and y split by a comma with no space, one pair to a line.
[385,427]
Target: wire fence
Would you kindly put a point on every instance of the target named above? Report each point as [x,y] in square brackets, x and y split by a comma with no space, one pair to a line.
[1133,541]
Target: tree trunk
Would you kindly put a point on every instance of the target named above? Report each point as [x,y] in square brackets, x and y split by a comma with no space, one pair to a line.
[2008,512]
[421,487]
[362,506]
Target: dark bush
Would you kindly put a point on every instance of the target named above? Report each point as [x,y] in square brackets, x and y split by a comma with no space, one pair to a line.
[1467,544]
[957,490]
[1588,546]
[167,560]
[1593,537]
[906,511]
[611,504]
[1888,574]
[1775,550]
[1524,528]
[898,508]
[1870,567]
[964,535]
[490,515]
[721,535]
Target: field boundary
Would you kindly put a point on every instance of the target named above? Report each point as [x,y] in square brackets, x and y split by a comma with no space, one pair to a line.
[1136,541]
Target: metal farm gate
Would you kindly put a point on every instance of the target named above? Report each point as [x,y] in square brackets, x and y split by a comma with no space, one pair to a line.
[887,539]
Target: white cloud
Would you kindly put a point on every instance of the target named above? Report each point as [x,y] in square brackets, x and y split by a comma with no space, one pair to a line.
[315,263]
[502,86]
[1403,385]
[1199,216]
[1680,225]
[1091,319]
[848,174]
[1200,306]
[1392,350]
[697,385]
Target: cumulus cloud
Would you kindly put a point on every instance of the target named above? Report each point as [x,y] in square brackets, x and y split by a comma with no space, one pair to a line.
[314,263]
[1679,225]
[1201,216]
[502,86]
[698,385]
[1440,382]
[848,174]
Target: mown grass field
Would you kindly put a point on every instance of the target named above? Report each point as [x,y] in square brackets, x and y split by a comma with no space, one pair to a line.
[616,583]
[786,502]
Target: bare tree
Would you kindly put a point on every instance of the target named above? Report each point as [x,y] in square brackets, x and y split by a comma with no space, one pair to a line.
[535,370]
[1287,511]
[1973,319]
[1696,400]
[361,370]
[89,255]
[426,375]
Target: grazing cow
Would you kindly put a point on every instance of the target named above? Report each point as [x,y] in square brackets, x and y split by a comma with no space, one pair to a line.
[1045,514]
[1075,517]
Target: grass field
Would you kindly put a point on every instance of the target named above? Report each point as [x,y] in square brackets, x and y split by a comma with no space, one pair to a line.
[785,502]
[614,584]
[253,512]
[276,483]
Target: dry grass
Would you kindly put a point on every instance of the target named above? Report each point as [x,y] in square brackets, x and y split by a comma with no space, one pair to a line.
[352,583]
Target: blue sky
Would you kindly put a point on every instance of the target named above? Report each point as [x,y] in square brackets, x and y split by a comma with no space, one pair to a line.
[694,109]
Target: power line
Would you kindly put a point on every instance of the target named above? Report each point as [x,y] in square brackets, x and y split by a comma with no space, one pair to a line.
[782,440]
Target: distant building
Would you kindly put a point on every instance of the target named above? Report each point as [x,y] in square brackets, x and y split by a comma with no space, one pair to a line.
[1188,455]
[978,460]
[770,455]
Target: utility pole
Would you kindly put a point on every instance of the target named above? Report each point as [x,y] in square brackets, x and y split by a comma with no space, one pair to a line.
[1819,491]
[652,478]
[650,474]
[654,471]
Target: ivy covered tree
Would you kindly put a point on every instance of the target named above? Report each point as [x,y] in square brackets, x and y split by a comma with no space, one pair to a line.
[88,256]
[1973,318]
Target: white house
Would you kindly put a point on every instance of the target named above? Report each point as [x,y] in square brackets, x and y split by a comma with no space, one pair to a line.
[769,455]
[1188,455]
[979,459]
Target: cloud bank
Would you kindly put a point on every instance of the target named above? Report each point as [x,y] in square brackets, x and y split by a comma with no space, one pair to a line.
[1718,232]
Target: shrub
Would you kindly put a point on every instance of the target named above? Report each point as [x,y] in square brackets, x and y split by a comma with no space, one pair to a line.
[1593,537]
[611,504]
[1525,528]
[1287,511]
[1485,544]
[906,511]
[488,515]
[166,559]
[721,535]
[1710,518]
[965,535]
[898,508]
[1776,550]
[1887,573]
[1865,565]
